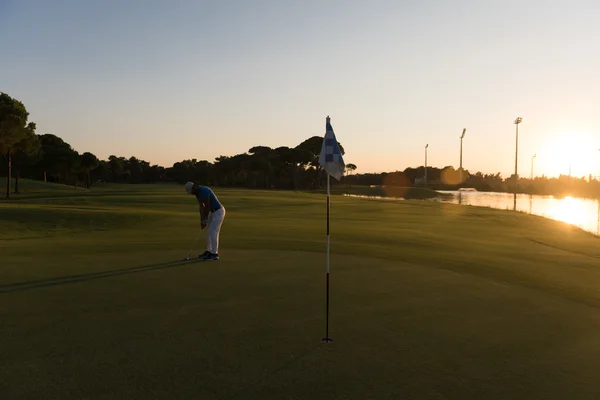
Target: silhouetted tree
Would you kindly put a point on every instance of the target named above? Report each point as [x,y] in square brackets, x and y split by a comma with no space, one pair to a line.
[116,165]
[58,158]
[13,129]
[261,167]
[27,152]
[312,147]
[89,162]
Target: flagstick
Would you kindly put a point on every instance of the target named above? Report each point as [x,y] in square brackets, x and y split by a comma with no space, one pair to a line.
[327,338]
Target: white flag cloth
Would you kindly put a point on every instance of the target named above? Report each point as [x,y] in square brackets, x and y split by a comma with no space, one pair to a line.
[331,156]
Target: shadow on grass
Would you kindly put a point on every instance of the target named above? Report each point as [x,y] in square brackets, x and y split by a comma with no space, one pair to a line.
[63,280]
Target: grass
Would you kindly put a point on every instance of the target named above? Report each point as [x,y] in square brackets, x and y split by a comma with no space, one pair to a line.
[429,300]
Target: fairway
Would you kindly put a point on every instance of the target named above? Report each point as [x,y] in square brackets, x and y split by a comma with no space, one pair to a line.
[428,300]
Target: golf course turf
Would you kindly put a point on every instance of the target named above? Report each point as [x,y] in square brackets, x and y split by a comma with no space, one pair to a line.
[428,300]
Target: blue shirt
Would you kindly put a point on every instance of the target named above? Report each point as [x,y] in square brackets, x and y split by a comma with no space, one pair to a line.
[204,193]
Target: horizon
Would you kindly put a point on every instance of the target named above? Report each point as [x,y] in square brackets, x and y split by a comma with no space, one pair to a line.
[154,80]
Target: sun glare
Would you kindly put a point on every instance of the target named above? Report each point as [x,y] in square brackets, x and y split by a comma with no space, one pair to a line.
[571,210]
[574,154]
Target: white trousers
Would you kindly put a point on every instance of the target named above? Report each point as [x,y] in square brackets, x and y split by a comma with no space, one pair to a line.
[213,228]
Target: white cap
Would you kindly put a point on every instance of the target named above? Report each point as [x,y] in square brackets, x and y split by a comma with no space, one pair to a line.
[188,187]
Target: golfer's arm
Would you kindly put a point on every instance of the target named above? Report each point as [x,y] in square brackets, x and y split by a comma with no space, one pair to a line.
[207,208]
[204,210]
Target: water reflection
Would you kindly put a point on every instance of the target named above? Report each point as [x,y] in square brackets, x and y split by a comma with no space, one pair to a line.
[583,213]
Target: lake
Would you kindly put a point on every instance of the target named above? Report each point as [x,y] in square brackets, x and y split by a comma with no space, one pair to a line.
[582,213]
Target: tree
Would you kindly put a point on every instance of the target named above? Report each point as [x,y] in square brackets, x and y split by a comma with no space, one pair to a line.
[135,168]
[26,152]
[261,165]
[155,173]
[89,162]
[263,151]
[101,172]
[59,158]
[350,168]
[116,166]
[182,171]
[72,167]
[313,146]
[233,171]
[285,169]
[13,117]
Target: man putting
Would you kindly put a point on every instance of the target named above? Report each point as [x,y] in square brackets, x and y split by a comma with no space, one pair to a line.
[212,214]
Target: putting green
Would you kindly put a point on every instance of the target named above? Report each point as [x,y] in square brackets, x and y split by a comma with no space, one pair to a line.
[97,302]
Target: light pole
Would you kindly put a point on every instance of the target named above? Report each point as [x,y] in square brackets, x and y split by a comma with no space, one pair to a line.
[461,139]
[426,146]
[517,122]
[532,158]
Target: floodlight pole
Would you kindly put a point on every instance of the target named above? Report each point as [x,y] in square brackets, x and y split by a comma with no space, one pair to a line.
[517,122]
[426,146]
[461,148]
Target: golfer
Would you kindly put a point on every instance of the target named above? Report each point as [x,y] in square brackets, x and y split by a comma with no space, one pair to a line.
[212,214]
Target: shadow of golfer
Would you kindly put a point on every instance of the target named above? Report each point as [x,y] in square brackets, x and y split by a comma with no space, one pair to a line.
[63,280]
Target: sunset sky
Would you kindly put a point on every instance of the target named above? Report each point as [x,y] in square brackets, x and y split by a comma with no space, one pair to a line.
[172,80]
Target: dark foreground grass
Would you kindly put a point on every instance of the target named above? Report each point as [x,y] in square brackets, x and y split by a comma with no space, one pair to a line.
[429,300]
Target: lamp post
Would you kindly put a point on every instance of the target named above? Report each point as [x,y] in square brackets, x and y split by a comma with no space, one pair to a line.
[532,158]
[461,147]
[426,146]
[517,122]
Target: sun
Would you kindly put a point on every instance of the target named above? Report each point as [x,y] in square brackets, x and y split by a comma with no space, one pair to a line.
[574,154]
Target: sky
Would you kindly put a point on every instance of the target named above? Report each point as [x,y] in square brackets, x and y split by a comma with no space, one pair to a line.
[171,80]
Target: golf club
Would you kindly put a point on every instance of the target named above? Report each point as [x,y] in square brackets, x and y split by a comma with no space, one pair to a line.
[190,252]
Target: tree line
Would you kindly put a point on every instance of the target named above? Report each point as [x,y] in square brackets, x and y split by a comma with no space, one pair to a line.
[26,154]
[449,178]
[48,157]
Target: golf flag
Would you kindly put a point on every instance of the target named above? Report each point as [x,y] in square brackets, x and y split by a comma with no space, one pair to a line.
[331,156]
[332,162]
